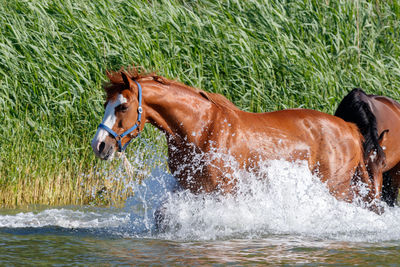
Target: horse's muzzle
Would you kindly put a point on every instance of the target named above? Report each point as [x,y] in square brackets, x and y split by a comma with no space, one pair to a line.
[103,150]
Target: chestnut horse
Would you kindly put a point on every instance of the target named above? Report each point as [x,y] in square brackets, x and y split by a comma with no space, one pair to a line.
[197,124]
[357,106]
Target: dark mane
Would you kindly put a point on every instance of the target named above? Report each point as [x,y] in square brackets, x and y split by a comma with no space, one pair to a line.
[354,108]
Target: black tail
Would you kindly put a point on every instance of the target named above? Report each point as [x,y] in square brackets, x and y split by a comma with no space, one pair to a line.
[354,108]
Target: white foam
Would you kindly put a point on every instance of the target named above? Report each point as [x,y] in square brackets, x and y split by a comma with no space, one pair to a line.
[66,218]
[281,198]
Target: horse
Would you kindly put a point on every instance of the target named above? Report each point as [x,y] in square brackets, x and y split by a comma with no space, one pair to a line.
[356,107]
[200,125]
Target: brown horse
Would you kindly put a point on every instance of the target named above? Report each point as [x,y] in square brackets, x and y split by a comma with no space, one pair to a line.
[356,107]
[197,124]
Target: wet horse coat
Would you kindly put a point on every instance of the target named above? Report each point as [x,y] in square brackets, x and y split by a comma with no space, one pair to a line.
[199,124]
[387,114]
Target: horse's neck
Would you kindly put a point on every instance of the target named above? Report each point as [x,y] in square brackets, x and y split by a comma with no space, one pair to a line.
[177,111]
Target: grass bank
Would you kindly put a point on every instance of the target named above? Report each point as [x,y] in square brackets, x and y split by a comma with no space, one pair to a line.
[262,55]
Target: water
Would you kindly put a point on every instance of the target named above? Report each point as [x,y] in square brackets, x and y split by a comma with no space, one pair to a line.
[280,215]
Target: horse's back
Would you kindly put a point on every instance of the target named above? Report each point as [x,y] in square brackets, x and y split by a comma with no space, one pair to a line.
[306,119]
[306,124]
[329,141]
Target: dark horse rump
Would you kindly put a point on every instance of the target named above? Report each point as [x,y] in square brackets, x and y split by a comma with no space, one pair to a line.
[355,108]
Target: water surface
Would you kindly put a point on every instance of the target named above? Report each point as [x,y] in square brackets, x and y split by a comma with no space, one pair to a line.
[283,215]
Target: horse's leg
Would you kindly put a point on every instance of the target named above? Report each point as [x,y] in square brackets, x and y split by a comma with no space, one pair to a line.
[160,220]
[388,191]
[395,172]
[391,183]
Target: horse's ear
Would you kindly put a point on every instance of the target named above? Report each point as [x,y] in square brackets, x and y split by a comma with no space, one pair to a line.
[382,137]
[127,81]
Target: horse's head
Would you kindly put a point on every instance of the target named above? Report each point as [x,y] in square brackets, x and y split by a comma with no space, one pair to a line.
[123,118]
[375,162]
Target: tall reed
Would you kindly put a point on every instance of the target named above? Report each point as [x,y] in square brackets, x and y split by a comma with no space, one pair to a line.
[262,55]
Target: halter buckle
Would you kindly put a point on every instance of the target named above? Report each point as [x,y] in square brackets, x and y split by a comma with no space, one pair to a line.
[140,110]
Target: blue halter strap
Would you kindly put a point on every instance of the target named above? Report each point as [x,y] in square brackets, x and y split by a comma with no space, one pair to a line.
[118,137]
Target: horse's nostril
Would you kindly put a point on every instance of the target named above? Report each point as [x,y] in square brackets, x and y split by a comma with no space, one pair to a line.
[101,147]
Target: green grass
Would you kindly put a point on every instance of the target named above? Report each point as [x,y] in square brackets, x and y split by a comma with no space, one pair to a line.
[262,55]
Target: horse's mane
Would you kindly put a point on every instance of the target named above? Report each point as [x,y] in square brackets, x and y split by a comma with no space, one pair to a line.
[219,100]
[116,84]
[354,109]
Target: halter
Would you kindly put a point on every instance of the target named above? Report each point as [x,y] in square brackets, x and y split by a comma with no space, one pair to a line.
[118,137]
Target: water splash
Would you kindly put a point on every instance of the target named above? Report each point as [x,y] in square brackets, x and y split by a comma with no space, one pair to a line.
[280,198]
[290,201]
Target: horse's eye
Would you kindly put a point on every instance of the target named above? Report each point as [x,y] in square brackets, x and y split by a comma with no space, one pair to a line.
[122,108]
